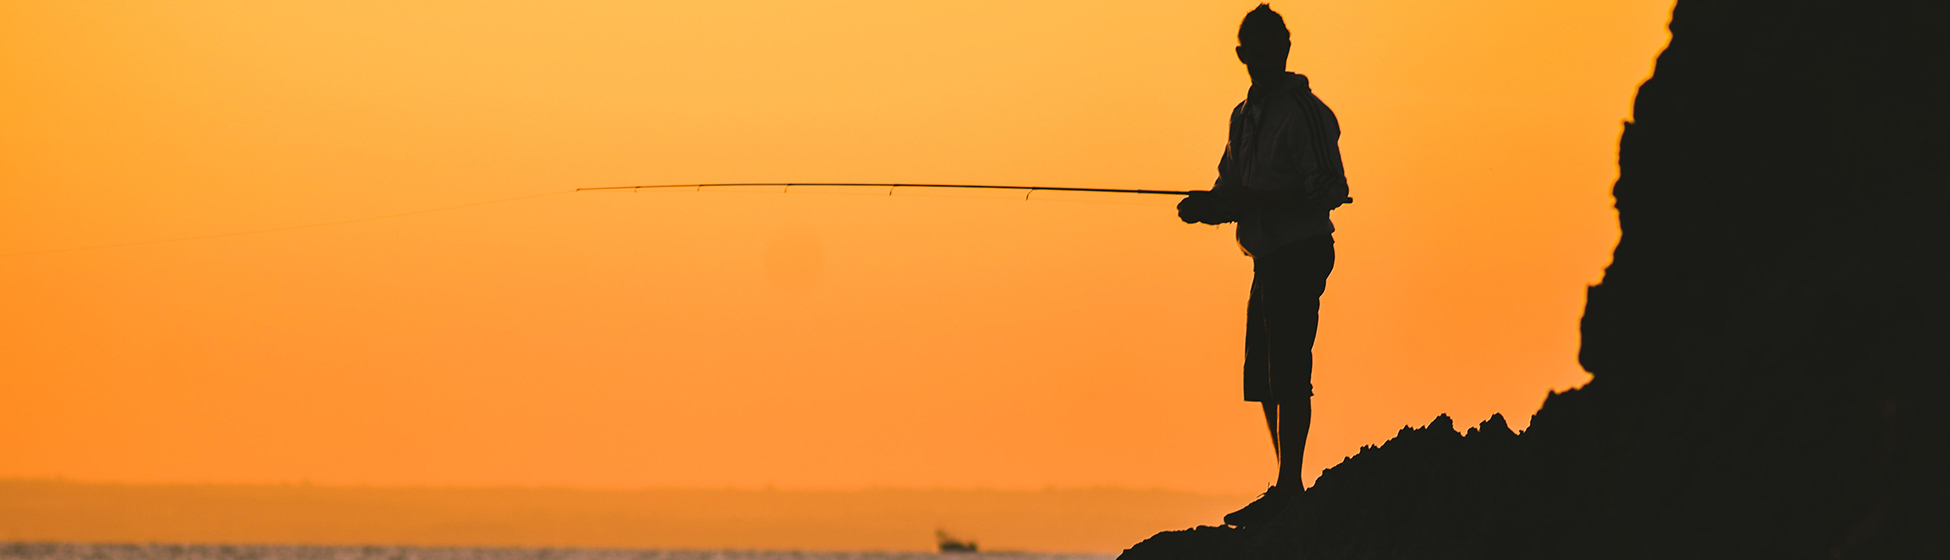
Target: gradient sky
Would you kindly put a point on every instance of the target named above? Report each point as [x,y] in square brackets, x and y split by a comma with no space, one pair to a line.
[751,339]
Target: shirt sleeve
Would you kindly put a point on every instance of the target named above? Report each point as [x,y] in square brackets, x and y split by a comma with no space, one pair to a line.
[1228,166]
[1225,169]
[1315,141]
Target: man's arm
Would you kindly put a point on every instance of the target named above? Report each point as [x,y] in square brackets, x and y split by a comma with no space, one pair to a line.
[1246,199]
[1207,207]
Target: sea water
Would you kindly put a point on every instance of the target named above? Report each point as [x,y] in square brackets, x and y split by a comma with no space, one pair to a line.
[76,551]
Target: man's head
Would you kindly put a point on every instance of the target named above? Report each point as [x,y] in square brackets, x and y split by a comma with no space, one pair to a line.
[1264,43]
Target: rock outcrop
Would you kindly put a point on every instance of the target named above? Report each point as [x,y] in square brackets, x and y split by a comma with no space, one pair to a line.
[1770,348]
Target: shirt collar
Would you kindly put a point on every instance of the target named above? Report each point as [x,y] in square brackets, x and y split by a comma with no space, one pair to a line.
[1261,92]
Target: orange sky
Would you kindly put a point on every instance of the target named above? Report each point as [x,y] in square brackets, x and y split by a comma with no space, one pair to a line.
[741,339]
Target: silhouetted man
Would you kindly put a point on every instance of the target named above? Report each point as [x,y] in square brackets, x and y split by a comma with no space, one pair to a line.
[1279,178]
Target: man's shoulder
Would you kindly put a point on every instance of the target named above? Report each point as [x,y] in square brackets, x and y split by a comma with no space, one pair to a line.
[1299,89]
[1303,102]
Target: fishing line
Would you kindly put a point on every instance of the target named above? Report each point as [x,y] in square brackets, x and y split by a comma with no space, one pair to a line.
[287,228]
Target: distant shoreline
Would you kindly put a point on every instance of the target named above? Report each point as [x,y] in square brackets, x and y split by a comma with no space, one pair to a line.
[1083,520]
[162,551]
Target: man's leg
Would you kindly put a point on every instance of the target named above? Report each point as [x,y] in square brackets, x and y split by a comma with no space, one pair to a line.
[1258,386]
[1281,421]
[1273,425]
[1295,418]
[1296,326]
[1288,313]
[1272,280]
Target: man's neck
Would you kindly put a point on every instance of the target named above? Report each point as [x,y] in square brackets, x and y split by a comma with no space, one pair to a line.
[1268,79]
[1266,82]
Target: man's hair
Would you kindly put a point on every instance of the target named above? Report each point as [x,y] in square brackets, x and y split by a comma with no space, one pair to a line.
[1263,26]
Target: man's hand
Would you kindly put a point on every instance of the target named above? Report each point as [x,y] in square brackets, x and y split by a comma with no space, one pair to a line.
[1203,207]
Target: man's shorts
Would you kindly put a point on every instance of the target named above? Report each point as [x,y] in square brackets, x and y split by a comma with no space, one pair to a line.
[1281,318]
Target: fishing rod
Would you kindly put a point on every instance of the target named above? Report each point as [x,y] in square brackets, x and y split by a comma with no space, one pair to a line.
[787,187]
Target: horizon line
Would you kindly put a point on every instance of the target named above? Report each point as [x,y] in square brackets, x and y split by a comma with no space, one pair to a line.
[302,483]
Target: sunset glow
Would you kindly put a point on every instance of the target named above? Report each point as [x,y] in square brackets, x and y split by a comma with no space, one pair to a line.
[819,340]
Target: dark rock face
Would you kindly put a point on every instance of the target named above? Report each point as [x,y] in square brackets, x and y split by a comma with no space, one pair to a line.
[1770,348]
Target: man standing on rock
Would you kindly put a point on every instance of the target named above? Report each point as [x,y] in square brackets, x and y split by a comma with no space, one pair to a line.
[1279,178]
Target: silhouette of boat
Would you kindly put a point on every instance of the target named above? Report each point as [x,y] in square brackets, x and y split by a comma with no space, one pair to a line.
[948,543]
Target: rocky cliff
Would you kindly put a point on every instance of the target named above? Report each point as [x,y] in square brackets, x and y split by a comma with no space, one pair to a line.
[1769,348]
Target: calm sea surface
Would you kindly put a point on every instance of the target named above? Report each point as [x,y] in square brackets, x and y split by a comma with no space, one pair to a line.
[64,551]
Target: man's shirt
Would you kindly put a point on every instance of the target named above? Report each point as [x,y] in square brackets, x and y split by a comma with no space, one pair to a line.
[1273,146]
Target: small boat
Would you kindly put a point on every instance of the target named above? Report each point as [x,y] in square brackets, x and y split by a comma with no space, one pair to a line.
[949,544]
